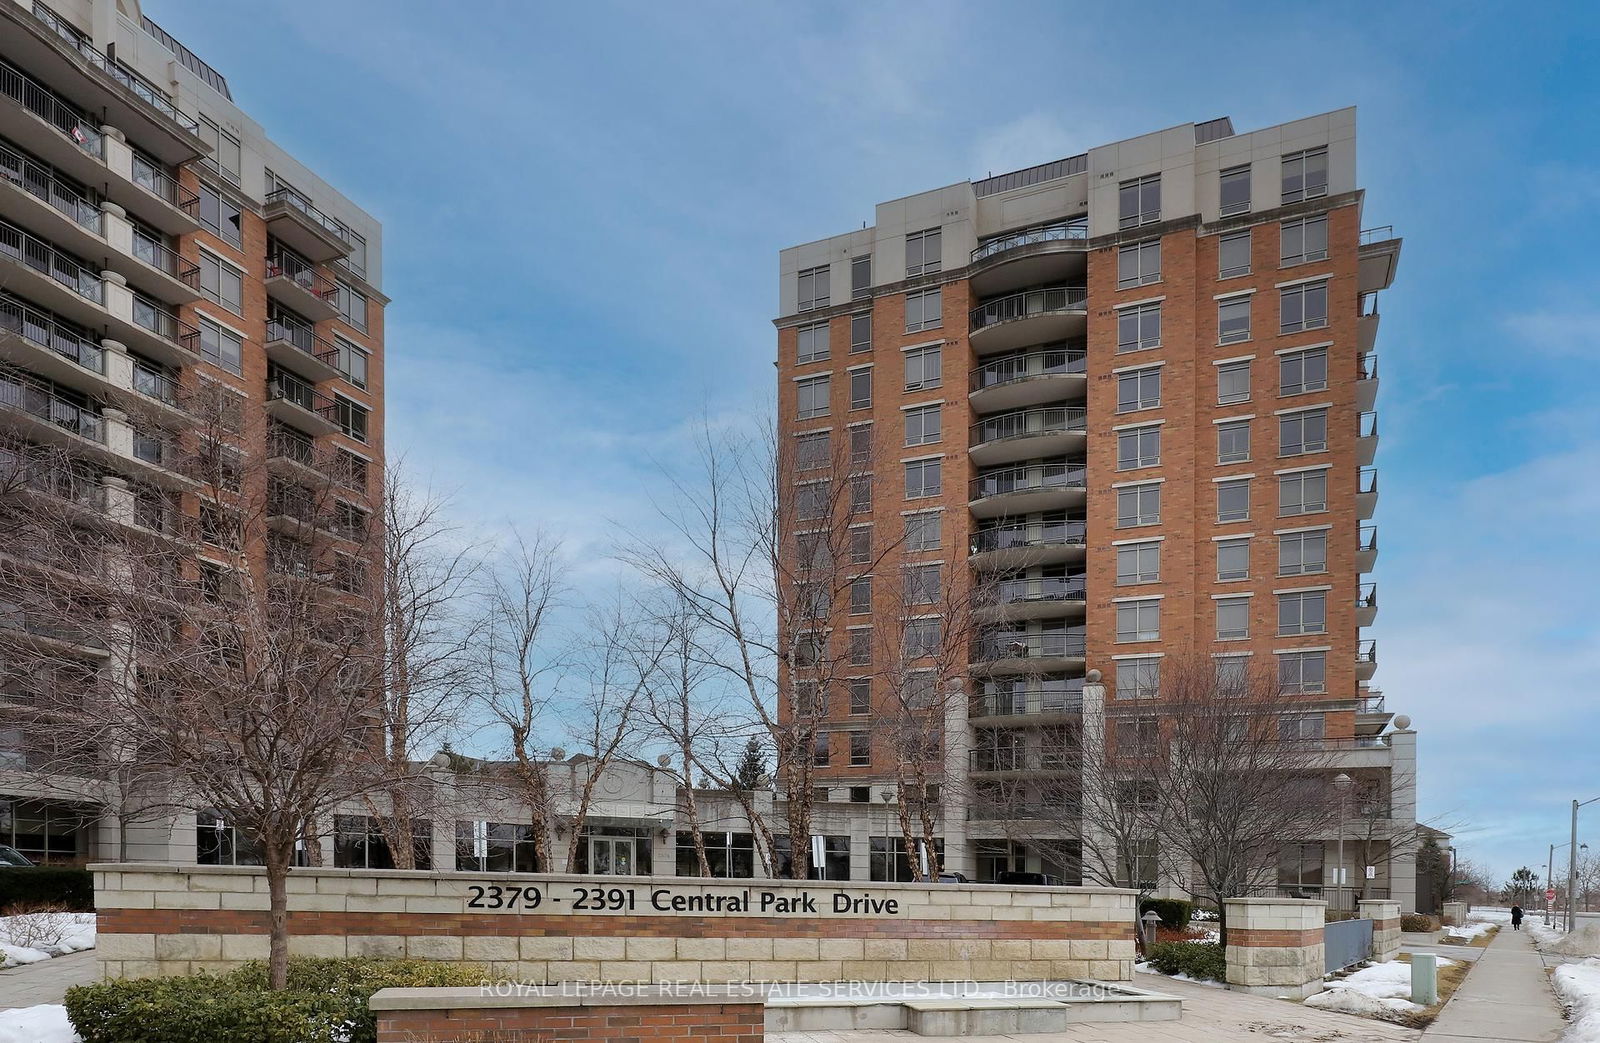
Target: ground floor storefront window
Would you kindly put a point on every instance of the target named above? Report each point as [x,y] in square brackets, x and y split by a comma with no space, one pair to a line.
[359,843]
[49,832]
[727,854]
[834,864]
[495,847]
[614,851]
[890,864]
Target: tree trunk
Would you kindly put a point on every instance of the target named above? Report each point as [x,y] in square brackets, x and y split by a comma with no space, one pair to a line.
[277,860]
[692,811]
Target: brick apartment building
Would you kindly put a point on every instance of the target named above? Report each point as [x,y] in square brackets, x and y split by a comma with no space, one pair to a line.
[1132,391]
[155,242]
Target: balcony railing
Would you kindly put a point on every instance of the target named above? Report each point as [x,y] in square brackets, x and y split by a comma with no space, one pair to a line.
[164,186]
[137,85]
[1049,300]
[1367,366]
[1034,478]
[1053,645]
[41,181]
[1368,538]
[163,259]
[42,102]
[1369,704]
[1367,305]
[46,331]
[152,384]
[1025,702]
[1009,811]
[1040,363]
[160,320]
[1367,596]
[42,257]
[1049,534]
[285,443]
[289,266]
[291,198]
[1367,651]
[31,625]
[1380,234]
[1006,759]
[1042,421]
[286,386]
[301,337]
[1367,424]
[1061,231]
[1367,482]
[40,403]
[1042,588]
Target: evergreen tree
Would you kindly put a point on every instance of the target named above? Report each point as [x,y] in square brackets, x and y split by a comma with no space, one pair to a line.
[752,771]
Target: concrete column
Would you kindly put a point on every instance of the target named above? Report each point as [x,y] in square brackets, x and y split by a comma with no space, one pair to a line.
[1455,913]
[959,856]
[118,298]
[119,499]
[118,363]
[119,433]
[1403,812]
[1385,917]
[1094,751]
[118,156]
[116,228]
[1275,946]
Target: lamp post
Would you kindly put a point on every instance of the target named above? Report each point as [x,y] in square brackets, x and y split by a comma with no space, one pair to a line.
[1572,860]
[1342,784]
[1550,884]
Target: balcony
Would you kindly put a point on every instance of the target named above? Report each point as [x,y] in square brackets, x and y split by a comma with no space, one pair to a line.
[1367,605]
[181,282]
[294,346]
[1367,438]
[1032,811]
[46,274]
[302,227]
[298,404]
[40,343]
[1367,549]
[1026,705]
[1037,316]
[1372,716]
[1367,493]
[298,285]
[1366,659]
[1026,434]
[1049,253]
[47,414]
[1367,381]
[1030,378]
[1379,252]
[1044,485]
[1055,651]
[162,334]
[18,624]
[1036,597]
[1021,544]
[31,185]
[1016,759]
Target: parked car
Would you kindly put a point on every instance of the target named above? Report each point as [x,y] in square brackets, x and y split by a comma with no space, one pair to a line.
[10,856]
[953,878]
[1027,879]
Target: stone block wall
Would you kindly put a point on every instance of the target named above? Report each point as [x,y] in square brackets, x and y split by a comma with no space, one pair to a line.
[705,1014]
[1455,913]
[1275,945]
[162,919]
[1385,917]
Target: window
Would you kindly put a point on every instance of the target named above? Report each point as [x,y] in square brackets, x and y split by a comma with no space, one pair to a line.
[1305,432]
[1138,505]
[812,550]
[220,215]
[1305,174]
[1233,320]
[860,333]
[923,368]
[350,470]
[1233,383]
[813,288]
[924,310]
[1235,191]
[860,647]
[860,388]
[861,595]
[860,696]
[1303,673]
[225,150]
[1305,239]
[1305,492]
[1139,447]
[1233,618]
[358,843]
[1233,500]
[351,417]
[811,451]
[1303,727]
[222,283]
[923,252]
[921,638]
[1233,255]
[1139,201]
[1139,327]
[1302,553]
[1303,307]
[860,493]
[1302,371]
[820,754]
[1140,389]
[1231,672]
[1304,612]
[1233,559]
[349,575]
[1139,563]
[728,855]
[352,304]
[352,361]
[220,347]
[860,544]
[1139,621]
[811,500]
[1138,264]
[922,532]
[861,277]
[923,479]
[1137,679]
[811,343]
[922,425]
[860,445]
[357,259]
[922,585]
[1233,442]
[812,395]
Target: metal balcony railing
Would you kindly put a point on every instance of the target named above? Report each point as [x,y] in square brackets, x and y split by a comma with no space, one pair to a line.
[1052,645]
[1049,300]
[1023,701]
[1054,534]
[1368,539]
[1367,651]
[1380,234]
[1367,424]
[39,402]
[46,259]
[39,180]
[1367,596]
[1034,478]
[45,330]
[1028,809]
[300,336]
[1369,704]
[292,198]
[164,186]
[1367,481]
[303,273]
[290,445]
[1367,366]
[153,384]
[163,259]
[1041,588]
[31,624]
[1020,759]
[1061,231]
[136,85]
[1008,369]
[286,386]
[1040,421]
[43,102]
[1367,305]
[160,320]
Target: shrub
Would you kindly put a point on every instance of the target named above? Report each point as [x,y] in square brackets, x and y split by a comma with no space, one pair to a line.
[1175,913]
[66,886]
[326,1002]
[38,925]
[1202,960]
[1418,923]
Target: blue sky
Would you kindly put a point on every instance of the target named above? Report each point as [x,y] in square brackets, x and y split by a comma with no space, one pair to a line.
[583,205]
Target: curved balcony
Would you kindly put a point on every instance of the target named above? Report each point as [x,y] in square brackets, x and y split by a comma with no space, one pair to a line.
[1027,702]
[1020,545]
[1030,378]
[1030,257]
[1036,316]
[1057,651]
[1046,485]
[1028,434]
[1035,597]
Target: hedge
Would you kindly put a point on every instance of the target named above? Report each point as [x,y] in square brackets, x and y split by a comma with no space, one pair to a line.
[1201,960]
[326,1002]
[1175,913]
[47,885]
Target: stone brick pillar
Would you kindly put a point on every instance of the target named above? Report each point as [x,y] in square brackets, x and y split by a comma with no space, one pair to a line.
[1455,913]
[1385,917]
[1275,946]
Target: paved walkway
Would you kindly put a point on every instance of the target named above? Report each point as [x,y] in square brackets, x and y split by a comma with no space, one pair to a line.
[46,981]
[1506,997]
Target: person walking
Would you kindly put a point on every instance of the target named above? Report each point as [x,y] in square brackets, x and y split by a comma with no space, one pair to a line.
[1516,918]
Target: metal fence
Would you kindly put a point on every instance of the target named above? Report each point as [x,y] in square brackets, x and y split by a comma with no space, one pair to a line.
[1346,943]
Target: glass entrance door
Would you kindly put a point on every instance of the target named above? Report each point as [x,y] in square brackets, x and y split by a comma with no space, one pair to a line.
[611,856]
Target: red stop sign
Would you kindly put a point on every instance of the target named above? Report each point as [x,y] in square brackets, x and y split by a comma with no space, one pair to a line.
[1550,895]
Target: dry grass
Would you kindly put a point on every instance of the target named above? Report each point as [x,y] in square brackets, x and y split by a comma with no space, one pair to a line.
[1450,979]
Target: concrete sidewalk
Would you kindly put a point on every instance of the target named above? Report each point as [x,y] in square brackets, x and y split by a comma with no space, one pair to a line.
[1506,997]
[48,980]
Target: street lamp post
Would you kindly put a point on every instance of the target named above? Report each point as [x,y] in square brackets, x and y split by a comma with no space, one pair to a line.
[1341,783]
[1572,861]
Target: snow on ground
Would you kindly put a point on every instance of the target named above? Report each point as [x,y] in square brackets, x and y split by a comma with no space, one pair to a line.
[1468,932]
[1142,968]
[1489,914]
[31,937]
[1379,991]
[1578,985]
[46,1023]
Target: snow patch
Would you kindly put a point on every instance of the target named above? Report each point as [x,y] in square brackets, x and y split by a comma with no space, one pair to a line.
[32,937]
[1145,968]
[46,1023]
[1467,932]
[1578,985]
[1381,991]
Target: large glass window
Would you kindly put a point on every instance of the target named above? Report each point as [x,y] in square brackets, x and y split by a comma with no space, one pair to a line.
[861,276]
[352,361]
[352,304]
[923,252]
[495,847]
[1138,447]
[1302,371]
[728,855]
[834,863]
[1235,190]
[1233,320]
[1137,679]
[1139,389]
[1138,505]
[1304,432]
[1303,673]
[221,282]
[924,310]
[220,346]
[890,864]
[923,368]
[922,425]
[1139,621]
[1233,500]
[1233,382]
[861,388]
[1303,307]
[1305,174]
[221,215]
[1138,264]
[352,417]
[1139,201]
[1139,563]
[922,532]
[1233,255]
[359,843]
[812,288]
[1233,618]
[1139,327]
[1304,492]
[1303,239]
[923,478]
[1233,442]
[812,397]
[1303,612]
[811,343]
[1233,559]
[1302,553]
[861,333]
